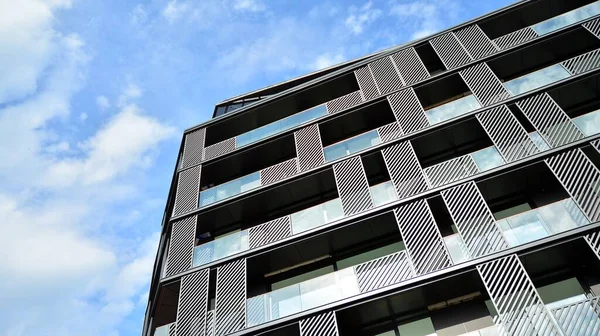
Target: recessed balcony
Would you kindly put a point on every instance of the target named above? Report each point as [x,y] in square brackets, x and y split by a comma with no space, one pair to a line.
[568,18]
[536,79]
[352,145]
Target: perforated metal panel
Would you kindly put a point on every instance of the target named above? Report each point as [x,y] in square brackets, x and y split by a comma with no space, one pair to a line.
[389,132]
[583,63]
[423,240]
[521,310]
[408,111]
[593,26]
[193,301]
[450,51]
[220,148]
[381,272]
[188,191]
[405,170]
[309,148]
[580,318]
[474,220]
[550,120]
[230,303]
[319,325]
[581,179]
[515,38]
[385,74]
[475,41]
[193,148]
[451,170]
[510,138]
[269,232]
[181,246]
[484,84]
[279,171]
[352,184]
[366,82]
[409,65]
[593,239]
[344,102]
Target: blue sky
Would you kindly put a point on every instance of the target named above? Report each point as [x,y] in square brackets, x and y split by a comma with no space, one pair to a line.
[94,96]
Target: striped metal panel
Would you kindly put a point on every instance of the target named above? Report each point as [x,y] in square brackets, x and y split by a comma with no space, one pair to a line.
[515,38]
[450,51]
[550,120]
[193,148]
[579,319]
[474,220]
[344,102]
[510,138]
[181,246]
[319,325]
[404,169]
[385,74]
[593,26]
[193,301]
[230,303]
[596,144]
[279,171]
[593,239]
[484,84]
[475,41]
[366,82]
[210,323]
[309,148]
[408,111]
[381,272]
[422,237]
[173,329]
[410,66]
[352,185]
[583,63]
[218,149]
[581,179]
[188,191]
[519,306]
[451,170]
[269,232]
[389,132]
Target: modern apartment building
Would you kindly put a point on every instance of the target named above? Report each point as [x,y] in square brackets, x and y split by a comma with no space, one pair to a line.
[449,186]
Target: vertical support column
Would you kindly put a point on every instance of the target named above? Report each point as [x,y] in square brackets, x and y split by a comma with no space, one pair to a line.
[450,51]
[474,220]
[475,41]
[484,84]
[230,304]
[410,66]
[581,179]
[193,148]
[181,246]
[352,185]
[520,308]
[385,74]
[422,237]
[193,303]
[404,169]
[510,138]
[188,191]
[408,111]
[309,148]
[366,82]
[319,325]
[550,120]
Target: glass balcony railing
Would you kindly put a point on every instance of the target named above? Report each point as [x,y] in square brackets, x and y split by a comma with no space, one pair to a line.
[589,123]
[383,193]
[536,79]
[542,222]
[352,145]
[487,158]
[229,189]
[280,125]
[538,141]
[316,216]
[488,331]
[578,315]
[456,248]
[452,109]
[162,330]
[567,18]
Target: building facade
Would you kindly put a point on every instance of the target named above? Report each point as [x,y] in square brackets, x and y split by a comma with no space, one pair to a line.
[449,186]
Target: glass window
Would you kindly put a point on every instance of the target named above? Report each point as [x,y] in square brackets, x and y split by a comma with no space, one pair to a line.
[536,79]
[302,277]
[561,293]
[352,145]
[452,109]
[567,18]
[370,255]
[487,158]
[589,123]
[422,327]
[220,110]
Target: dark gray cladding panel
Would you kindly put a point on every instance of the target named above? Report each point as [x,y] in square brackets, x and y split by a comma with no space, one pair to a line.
[181,246]
[193,303]
[188,191]
[353,186]
[230,304]
[193,148]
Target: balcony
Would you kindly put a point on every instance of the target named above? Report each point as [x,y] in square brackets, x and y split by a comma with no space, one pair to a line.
[538,141]
[457,248]
[452,109]
[578,318]
[568,18]
[351,145]
[536,79]
[589,123]
[383,193]
[229,189]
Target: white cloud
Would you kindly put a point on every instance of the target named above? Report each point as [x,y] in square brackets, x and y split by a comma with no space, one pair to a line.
[102,102]
[131,92]
[59,147]
[424,17]
[83,116]
[360,17]
[249,5]
[175,10]
[327,59]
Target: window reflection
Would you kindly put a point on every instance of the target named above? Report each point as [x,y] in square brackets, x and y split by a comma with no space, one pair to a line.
[589,123]
[383,193]
[567,18]
[538,141]
[229,189]
[352,145]
[487,158]
[536,79]
[452,109]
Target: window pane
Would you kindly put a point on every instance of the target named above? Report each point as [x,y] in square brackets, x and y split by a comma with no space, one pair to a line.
[536,79]
[589,123]
[452,109]
[566,19]
[487,158]
[351,145]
